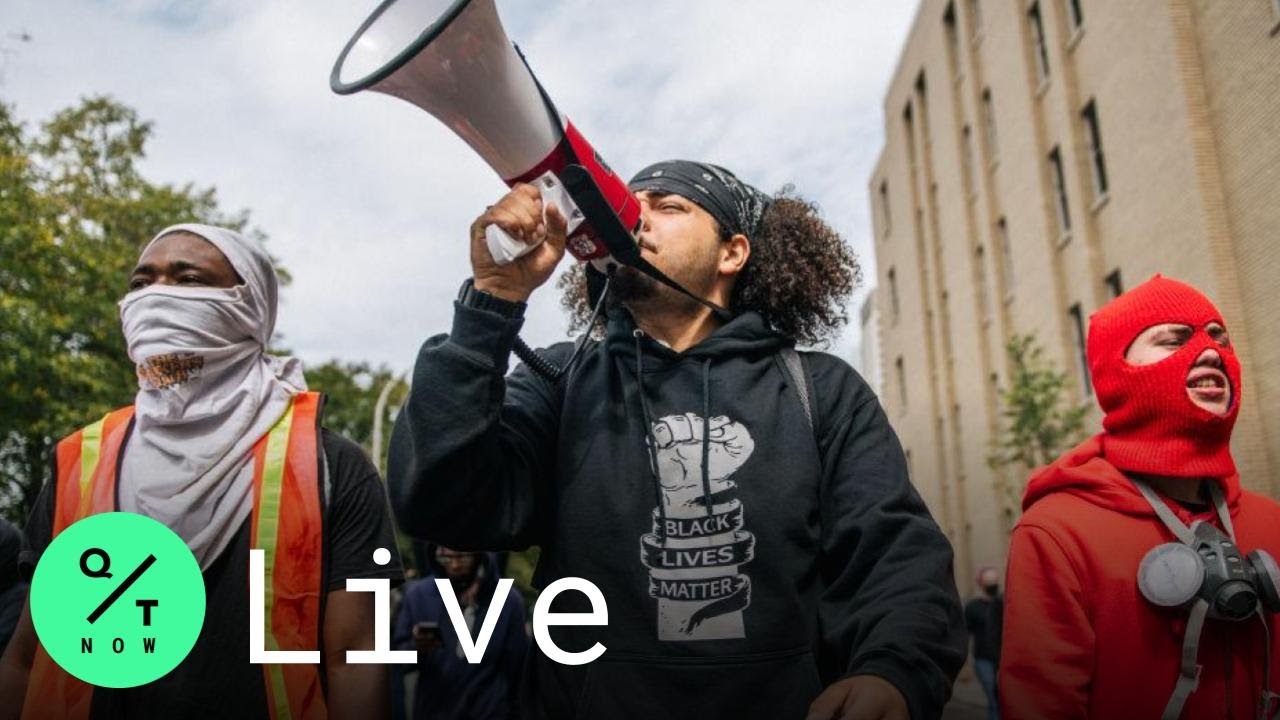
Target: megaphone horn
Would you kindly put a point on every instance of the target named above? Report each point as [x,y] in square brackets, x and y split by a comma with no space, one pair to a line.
[464,70]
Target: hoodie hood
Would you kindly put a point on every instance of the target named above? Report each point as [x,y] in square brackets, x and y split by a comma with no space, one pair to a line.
[1086,473]
[746,334]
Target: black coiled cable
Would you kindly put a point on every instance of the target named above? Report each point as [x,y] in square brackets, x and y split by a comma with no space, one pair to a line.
[548,369]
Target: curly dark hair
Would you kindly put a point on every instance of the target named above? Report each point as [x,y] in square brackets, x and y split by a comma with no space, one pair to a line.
[799,276]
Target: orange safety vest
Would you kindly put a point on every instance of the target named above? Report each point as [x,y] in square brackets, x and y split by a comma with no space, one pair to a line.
[286,525]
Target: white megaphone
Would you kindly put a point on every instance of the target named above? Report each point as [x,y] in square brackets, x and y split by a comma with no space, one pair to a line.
[453,59]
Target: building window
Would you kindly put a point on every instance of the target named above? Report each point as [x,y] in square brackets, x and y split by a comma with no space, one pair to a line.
[989,121]
[900,375]
[953,37]
[1006,255]
[1097,161]
[1059,191]
[909,127]
[1114,287]
[1082,358]
[885,216]
[1038,40]
[893,294]
[967,140]
[984,309]
[1075,18]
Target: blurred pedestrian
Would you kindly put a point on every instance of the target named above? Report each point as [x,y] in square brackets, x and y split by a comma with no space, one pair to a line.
[983,616]
[13,589]
[448,686]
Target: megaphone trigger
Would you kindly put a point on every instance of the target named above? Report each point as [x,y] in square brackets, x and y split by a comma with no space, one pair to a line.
[506,249]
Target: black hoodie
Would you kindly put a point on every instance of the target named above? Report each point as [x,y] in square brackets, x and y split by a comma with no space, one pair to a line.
[801,555]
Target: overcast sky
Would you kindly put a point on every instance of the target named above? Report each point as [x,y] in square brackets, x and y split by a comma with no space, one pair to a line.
[367,199]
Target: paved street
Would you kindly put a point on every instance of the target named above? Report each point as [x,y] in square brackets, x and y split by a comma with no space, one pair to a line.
[967,701]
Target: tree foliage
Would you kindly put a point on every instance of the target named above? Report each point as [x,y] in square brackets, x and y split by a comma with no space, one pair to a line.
[75,211]
[1039,420]
[353,390]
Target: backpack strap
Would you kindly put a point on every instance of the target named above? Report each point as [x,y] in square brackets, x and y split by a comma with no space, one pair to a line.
[793,368]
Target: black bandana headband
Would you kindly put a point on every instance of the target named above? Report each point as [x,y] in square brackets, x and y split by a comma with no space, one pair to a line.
[736,206]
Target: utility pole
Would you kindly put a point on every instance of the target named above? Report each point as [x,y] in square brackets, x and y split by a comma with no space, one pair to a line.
[379,412]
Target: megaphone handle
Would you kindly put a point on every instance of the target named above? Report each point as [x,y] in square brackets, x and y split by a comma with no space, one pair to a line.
[506,249]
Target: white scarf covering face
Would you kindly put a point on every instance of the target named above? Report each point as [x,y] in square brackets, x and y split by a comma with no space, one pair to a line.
[207,392]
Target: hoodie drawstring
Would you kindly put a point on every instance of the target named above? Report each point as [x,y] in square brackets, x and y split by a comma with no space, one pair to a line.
[651,443]
[706,434]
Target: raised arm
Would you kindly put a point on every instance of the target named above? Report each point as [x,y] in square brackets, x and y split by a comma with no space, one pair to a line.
[472,450]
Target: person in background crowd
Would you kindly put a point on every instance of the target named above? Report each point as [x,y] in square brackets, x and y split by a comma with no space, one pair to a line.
[449,687]
[983,616]
[13,589]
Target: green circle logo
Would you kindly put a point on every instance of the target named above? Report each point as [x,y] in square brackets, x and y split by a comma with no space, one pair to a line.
[117,600]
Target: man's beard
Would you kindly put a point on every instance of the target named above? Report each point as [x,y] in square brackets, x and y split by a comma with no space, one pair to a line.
[643,295]
[631,285]
[461,583]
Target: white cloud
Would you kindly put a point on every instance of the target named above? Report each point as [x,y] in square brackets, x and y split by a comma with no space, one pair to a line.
[367,200]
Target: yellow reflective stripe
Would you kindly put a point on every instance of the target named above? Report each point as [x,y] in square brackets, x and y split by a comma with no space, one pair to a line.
[90,450]
[279,695]
[268,526]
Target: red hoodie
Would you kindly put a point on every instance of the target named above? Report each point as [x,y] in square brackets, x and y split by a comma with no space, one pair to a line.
[1080,641]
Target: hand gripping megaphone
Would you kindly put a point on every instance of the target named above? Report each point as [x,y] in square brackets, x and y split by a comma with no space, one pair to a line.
[453,59]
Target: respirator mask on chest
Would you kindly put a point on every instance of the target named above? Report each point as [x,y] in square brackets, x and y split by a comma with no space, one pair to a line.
[1205,573]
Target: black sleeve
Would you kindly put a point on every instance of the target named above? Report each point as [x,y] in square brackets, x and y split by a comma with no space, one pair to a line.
[38,532]
[890,607]
[357,519]
[472,450]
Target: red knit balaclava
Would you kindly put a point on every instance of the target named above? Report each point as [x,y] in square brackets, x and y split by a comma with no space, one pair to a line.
[1151,424]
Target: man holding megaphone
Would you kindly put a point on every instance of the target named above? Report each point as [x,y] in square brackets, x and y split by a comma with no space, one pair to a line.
[744,508]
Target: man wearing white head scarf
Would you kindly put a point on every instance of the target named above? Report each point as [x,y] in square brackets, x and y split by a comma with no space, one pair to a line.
[190,452]
[207,392]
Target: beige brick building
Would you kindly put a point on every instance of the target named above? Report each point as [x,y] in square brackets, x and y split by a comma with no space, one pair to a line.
[1040,156]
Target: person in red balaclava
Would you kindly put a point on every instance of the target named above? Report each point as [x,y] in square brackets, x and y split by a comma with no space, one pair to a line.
[1083,637]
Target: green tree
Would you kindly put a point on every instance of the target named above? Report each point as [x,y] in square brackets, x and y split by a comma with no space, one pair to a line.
[353,390]
[1039,421]
[74,213]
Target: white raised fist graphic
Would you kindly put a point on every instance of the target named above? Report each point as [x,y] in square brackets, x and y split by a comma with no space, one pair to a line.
[678,443]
